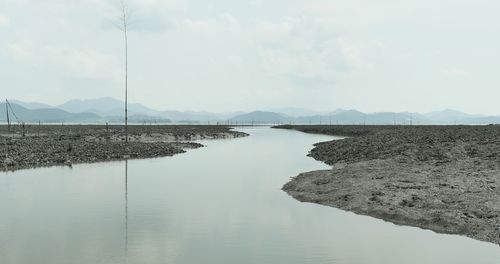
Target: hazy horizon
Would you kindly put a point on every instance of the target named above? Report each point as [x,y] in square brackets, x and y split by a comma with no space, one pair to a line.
[281,110]
[223,56]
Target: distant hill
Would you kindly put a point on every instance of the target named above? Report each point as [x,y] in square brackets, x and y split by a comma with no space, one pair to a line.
[46,115]
[189,116]
[138,119]
[109,109]
[396,118]
[450,116]
[340,117]
[357,117]
[262,118]
[485,120]
[31,105]
[106,106]
[296,112]
[54,115]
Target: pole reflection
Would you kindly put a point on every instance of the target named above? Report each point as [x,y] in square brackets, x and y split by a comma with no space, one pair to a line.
[126,211]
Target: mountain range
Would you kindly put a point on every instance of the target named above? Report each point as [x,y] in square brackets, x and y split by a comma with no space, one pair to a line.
[108,109]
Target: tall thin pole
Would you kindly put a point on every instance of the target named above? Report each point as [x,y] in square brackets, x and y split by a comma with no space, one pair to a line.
[7,111]
[126,84]
[125,23]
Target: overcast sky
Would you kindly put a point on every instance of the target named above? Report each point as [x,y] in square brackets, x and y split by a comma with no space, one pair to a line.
[225,55]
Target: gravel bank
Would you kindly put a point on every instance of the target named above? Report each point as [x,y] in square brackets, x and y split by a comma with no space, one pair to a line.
[442,178]
[49,145]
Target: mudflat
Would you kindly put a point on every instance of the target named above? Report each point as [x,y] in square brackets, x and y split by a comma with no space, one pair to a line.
[442,178]
[48,145]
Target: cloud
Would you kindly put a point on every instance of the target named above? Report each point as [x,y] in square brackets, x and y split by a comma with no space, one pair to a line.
[4,21]
[221,25]
[20,51]
[80,63]
[359,53]
[83,63]
[151,6]
[452,71]
[301,50]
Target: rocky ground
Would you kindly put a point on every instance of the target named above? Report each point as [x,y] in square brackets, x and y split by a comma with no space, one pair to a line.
[47,145]
[442,178]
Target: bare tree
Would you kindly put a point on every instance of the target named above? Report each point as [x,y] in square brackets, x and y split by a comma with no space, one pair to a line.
[124,23]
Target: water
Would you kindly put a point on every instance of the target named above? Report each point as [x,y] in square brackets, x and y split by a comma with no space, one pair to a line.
[220,204]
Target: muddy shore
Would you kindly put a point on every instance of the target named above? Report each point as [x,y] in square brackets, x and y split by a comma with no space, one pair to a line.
[49,145]
[442,178]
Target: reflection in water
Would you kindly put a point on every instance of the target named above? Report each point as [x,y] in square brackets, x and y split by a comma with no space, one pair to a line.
[126,211]
[219,204]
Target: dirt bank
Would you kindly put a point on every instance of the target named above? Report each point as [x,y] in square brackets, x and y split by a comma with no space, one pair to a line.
[49,145]
[442,178]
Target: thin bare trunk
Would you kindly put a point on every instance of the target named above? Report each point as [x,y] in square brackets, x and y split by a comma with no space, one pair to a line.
[124,28]
[126,85]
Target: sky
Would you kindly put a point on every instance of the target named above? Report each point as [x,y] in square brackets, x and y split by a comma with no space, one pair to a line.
[226,55]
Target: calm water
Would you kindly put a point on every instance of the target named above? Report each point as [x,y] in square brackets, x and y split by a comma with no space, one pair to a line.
[220,204]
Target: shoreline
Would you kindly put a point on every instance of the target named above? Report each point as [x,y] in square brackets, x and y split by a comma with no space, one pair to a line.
[50,145]
[445,179]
